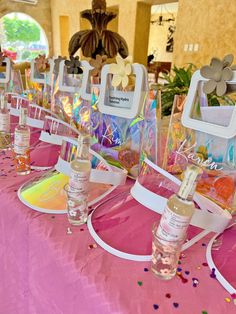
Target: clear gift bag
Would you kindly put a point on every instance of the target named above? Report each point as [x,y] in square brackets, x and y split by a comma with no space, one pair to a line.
[122,120]
[205,135]
[39,84]
[10,79]
[68,100]
[33,89]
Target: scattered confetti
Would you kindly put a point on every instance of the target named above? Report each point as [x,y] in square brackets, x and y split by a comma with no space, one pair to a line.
[198,268]
[187,272]
[52,217]
[184,280]
[212,274]
[204,312]
[179,269]
[204,264]
[155,306]
[81,229]
[195,282]
[92,246]
[179,262]
[145,269]
[227,300]
[140,283]
[69,230]
[203,244]
[176,304]
[233,296]
[168,295]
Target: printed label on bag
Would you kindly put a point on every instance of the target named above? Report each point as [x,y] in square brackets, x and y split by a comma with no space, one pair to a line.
[172,226]
[4,122]
[120,99]
[21,142]
[79,181]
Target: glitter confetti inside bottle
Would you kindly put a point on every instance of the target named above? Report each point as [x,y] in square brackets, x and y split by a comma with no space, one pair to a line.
[22,145]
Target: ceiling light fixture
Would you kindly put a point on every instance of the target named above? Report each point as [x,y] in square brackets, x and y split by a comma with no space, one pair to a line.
[161,19]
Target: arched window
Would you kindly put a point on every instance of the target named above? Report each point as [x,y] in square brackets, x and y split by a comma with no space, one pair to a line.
[21,37]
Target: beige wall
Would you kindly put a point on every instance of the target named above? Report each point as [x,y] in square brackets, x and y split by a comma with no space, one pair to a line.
[64,38]
[142,27]
[209,23]
[158,39]
[40,12]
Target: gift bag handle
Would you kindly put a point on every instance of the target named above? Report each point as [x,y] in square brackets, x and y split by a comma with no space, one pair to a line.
[46,77]
[134,100]
[206,127]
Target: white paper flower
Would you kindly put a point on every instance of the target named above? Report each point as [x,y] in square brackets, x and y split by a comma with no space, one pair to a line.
[71,203]
[121,71]
[165,271]
[166,260]
[72,213]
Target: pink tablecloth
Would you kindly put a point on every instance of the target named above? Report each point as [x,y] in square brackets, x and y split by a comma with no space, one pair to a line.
[45,270]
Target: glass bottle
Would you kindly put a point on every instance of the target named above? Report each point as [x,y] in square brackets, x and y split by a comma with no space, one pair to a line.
[180,207]
[170,235]
[22,144]
[5,137]
[78,188]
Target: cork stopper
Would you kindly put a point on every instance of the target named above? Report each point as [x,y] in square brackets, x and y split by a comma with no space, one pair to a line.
[83,146]
[23,116]
[189,182]
[2,101]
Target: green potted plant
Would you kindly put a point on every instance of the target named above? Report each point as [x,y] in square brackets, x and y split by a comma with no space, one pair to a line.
[177,83]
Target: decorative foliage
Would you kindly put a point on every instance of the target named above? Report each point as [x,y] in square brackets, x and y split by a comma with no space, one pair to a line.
[98,40]
[178,82]
[41,63]
[20,30]
[97,65]
[73,65]
[218,72]
[99,5]
[121,72]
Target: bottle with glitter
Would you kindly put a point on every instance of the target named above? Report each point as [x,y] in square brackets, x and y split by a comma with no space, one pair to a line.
[78,188]
[5,137]
[170,234]
[22,144]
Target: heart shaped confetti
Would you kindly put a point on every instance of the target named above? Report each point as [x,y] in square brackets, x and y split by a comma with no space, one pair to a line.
[155,306]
